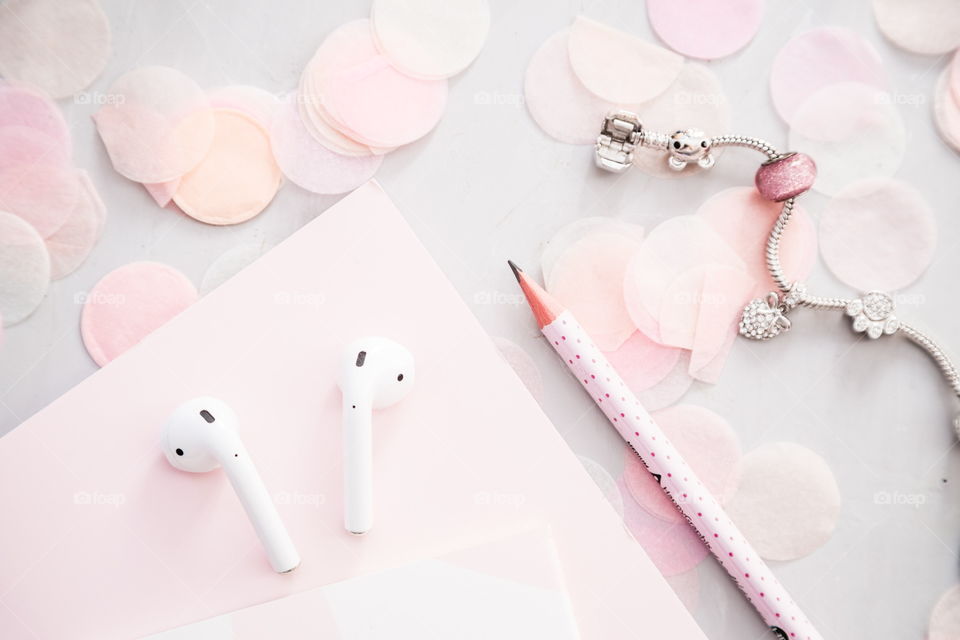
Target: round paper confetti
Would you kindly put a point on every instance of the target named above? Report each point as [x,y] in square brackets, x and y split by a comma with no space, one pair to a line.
[162,192]
[642,363]
[42,194]
[878,234]
[24,269]
[670,389]
[128,304]
[229,264]
[946,111]
[73,242]
[707,443]
[743,219]
[617,66]
[60,47]
[674,547]
[430,38]
[588,280]
[821,57]
[945,617]
[706,29]
[255,102]
[929,27]
[694,99]
[26,107]
[20,146]
[349,44]
[672,247]
[853,131]
[557,100]
[523,365]
[238,177]
[157,126]
[380,106]
[788,502]
[310,164]
[605,482]
[573,232]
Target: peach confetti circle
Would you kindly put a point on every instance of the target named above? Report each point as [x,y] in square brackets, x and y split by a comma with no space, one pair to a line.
[238,177]
[129,303]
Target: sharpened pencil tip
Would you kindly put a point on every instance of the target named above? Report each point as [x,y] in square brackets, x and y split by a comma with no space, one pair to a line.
[516,270]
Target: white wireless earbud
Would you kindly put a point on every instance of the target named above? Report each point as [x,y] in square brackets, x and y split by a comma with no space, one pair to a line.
[374,374]
[200,436]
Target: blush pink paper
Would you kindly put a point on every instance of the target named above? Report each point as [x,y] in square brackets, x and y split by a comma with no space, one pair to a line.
[178,548]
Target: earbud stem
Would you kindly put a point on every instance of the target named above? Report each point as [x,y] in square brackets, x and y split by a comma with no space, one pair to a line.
[357,467]
[261,510]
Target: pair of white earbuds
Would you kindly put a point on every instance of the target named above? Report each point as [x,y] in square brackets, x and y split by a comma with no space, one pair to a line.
[201,435]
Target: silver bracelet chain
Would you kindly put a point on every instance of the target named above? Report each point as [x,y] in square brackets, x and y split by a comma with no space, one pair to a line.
[763,318]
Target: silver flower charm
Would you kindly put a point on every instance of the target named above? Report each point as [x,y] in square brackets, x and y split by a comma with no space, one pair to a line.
[763,318]
[873,314]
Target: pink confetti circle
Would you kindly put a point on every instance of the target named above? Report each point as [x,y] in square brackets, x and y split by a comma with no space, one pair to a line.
[878,234]
[743,219]
[820,57]
[557,100]
[642,363]
[348,45]
[128,304]
[588,280]
[853,131]
[20,145]
[42,194]
[24,106]
[311,165]
[672,247]
[706,29]
[382,107]
[674,547]
[707,443]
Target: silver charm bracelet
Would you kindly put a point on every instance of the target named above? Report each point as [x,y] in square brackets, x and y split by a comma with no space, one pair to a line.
[781,178]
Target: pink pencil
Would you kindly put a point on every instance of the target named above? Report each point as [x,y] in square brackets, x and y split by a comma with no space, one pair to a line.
[678,480]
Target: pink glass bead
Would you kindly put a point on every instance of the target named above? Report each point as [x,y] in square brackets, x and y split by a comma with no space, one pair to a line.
[786,177]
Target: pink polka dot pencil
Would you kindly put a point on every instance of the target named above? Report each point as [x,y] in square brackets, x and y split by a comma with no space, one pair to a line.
[631,420]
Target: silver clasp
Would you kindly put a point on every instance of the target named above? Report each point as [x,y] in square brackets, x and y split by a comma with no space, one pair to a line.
[619,137]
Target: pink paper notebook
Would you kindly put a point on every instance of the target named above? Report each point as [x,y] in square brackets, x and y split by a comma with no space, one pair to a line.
[101,538]
[509,589]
